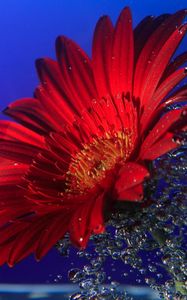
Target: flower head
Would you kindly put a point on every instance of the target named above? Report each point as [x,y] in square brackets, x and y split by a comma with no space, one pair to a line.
[87,137]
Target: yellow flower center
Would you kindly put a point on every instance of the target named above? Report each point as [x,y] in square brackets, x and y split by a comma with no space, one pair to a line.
[88,167]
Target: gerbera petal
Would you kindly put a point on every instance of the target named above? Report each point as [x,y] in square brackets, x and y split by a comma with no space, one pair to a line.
[160,62]
[122,60]
[4,250]
[26,242]
[164,145]
[165,37]
[182,91]
[53,232]
[174,65]
[10,195]
[166,87]
[143,31]
[52,95]
[46,179]
[17,151]
[87,219]
[129,181]
[12,191]
[16,211]
[9,233]
[162,126]
[101,55]
[162,91]
[134,194]
[11,172]
[79,232]
[96,222]
[162,108]
[30,114]
[77,71]
[15,132]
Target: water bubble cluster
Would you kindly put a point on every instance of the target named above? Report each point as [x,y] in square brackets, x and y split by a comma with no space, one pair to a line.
[149,241]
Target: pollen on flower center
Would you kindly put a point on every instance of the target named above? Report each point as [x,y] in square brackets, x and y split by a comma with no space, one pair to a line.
[88,167]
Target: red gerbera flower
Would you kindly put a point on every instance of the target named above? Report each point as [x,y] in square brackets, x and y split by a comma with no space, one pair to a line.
[84,141]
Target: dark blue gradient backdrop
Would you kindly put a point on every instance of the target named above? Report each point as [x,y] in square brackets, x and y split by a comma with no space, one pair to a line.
[28,29]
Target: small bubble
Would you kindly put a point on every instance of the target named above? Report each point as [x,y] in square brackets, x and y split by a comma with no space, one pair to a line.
[77,296]
[75,275]
[181,30]
[152,268]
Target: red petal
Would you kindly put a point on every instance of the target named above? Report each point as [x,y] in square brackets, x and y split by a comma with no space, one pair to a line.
[17,151]
[4,253]
[122,54]
[155,54]
[30,114]
[162,126]
[15,211]
[10,232]
[77,71]
[161,147]
[101,55]
[159,64]
[129,180]
[133,194]
[79,232]
[12,201]
[53,232]
[12,131]
[26,241]
[18,143]
[143,31]
[161,92]
[96,222]
[51,93]
[11,173]
[87,219]
[10,195]
[174,65]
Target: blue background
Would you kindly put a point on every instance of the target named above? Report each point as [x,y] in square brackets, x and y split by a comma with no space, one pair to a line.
[28,29]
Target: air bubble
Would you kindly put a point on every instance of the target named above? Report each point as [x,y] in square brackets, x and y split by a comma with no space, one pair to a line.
[75,275]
